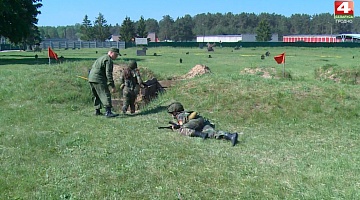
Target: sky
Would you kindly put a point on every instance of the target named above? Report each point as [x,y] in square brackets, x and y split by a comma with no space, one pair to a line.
[70,12]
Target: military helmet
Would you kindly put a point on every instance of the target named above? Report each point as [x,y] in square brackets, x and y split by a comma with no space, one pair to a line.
[175,107]
[133,65]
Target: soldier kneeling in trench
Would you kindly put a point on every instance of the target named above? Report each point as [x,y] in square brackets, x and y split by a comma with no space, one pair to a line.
[130,82]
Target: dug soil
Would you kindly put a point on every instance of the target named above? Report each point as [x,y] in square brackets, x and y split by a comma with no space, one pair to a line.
[117,102]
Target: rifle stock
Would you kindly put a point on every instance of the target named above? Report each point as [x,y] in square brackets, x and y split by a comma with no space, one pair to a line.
[165,127]
[169,127]
[173,123]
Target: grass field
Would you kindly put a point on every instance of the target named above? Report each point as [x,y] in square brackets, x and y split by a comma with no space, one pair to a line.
[300,136]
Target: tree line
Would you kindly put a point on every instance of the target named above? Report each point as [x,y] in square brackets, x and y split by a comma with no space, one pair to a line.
[19,25]
[186,28]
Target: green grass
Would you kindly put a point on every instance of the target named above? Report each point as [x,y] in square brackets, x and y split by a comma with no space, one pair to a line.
[300,134]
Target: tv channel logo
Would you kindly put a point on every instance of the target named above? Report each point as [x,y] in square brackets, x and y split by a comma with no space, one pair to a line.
[344,11]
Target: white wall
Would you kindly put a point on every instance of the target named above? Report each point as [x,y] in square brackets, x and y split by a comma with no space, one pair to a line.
[218,38]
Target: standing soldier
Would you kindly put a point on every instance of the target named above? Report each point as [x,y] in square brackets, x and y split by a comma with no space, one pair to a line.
[193,125]
[100,79]
[130,81]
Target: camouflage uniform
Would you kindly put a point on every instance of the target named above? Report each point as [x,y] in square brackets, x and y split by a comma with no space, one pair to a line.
[193,125]
[130,81]
[197,123]
[100,78]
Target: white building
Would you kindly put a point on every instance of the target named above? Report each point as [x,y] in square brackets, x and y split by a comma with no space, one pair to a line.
[232,38]
[219,38]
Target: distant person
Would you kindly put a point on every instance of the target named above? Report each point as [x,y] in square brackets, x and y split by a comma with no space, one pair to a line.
[210,46]
[193,125]
[130,82]
[100,79]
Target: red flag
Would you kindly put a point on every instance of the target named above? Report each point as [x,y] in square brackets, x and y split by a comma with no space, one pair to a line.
[52,54]
[280,59]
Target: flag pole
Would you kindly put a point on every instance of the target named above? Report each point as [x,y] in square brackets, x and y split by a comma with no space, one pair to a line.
[284,70]
[49,61]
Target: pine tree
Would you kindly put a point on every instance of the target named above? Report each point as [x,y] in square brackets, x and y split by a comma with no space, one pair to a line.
[166,28]
[18,20]
[127,30]
[263,32]
[86,30]
[101,29]
[141,28]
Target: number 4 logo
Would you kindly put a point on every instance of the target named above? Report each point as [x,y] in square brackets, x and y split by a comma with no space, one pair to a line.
[344,7]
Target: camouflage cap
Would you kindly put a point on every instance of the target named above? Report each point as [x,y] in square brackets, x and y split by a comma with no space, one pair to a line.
[115,50]
[133,64]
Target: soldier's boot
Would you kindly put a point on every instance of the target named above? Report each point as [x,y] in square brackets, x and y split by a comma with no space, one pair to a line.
[109,113]
[200,134]
[132,109]
[97,112]
[124,109]
[233,137]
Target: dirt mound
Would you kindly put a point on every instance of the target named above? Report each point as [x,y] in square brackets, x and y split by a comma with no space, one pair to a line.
[167,83]
[198,70]
[263,72]
[347,76]
[329,74]
[145,93]
[140,101]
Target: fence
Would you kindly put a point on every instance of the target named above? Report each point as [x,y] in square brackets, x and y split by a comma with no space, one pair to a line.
[6,47]
[80,44]
[123,45]
[253,44]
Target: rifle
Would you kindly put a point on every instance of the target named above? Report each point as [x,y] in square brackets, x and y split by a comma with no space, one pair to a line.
[176,126]
[165,127]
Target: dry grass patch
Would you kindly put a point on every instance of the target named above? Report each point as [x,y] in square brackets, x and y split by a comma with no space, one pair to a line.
[332,73]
